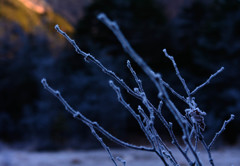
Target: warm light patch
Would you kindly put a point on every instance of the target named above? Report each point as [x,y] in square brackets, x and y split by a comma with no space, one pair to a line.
[35,5]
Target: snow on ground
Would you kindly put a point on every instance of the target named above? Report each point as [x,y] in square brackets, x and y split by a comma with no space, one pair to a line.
[8,157]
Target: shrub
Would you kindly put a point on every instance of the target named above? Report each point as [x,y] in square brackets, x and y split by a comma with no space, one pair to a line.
[191,121]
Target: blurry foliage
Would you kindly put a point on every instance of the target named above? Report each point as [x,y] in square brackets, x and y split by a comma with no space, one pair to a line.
[202,38]
[29,20]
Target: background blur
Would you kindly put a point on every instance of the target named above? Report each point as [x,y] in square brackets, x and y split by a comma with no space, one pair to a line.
[201,35]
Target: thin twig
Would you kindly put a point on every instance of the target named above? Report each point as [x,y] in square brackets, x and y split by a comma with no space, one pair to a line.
[208,147]
[208,150]
[177,72]
[138,81]
[89,58]
[222,129]
[103,144]
[121,160]
[174,92]
[207,82]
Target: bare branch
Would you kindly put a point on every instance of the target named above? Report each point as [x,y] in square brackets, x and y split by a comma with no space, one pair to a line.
[207,149]
[174,92]
[208,81]
[103,144]
[177,72]
[138,81]
[121,160]
[222,129]
[89,58]
[146,119]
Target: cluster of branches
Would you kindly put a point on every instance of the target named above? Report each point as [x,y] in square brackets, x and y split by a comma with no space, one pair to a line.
[191,121]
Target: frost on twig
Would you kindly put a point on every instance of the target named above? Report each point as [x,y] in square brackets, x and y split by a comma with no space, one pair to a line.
[121,160]
[221,130]
[208,81]
[177,72]
[191,123]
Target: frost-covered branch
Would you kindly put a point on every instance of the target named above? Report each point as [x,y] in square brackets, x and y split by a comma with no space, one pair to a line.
[89,58]
[138,81]
[192,123]
[208,81]
[221,130]
[177,72]
[102,143]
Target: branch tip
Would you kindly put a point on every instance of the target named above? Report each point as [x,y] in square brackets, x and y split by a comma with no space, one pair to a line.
[101,16]
[110,82]
[43,81]
[57,27]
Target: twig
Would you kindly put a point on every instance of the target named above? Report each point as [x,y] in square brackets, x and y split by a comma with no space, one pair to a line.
[121,160]
[174,92]
[208,81]
[103,144]
[138,81]
[220,131]
[89,58]
[208,150]
[177,72]
[208,147]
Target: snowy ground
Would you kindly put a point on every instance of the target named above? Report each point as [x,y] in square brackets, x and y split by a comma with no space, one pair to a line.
[223,157]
